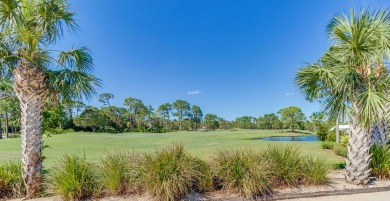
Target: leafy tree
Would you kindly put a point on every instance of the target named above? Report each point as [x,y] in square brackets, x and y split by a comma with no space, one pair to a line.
[322,132]
[15,114]
[182,107]
[69,106]
[115,117]
[197,116]
[291,117]
[149,115]
[269,121]
[164,111]
[105,98]
[211,121]
[354,74]
[135,108]
[224,124]
[54,117]
[317,118]
[91,117]
[6,98]
[245,122]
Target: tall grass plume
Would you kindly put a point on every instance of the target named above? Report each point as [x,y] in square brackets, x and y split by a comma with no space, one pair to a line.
[243,171]
[73,178]
[171,173]
[11,181]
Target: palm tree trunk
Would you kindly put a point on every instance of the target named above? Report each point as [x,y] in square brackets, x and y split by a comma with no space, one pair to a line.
[31,89]
[357,169]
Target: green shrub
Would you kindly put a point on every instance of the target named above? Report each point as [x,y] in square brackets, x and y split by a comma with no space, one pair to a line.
[11,181]
[340,150]
[322,132]
[120,173]
[339,166]
[244,171]
[56,131]
[170,174]
[344,140]
[14,135]
[72,178]
[380,161]
[109,129]
[315,171]
[331,136]
[327,145]
[285,163]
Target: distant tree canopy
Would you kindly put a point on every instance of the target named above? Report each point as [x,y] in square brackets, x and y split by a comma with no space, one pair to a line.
[136,116]
[292,117]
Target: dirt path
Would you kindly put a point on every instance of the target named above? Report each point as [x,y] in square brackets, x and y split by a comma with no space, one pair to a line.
[378,196]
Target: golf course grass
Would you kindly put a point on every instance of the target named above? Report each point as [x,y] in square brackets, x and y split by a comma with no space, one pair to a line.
[200,143]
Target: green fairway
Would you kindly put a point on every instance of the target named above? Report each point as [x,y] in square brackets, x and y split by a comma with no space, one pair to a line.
[202,144]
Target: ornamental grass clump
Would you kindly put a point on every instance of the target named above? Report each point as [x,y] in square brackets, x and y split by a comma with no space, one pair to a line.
[11,181]
[171,173]
[73,178]
[315,171]
[380,161]
[286,165]
[327,145]
[119,173]
[242,171]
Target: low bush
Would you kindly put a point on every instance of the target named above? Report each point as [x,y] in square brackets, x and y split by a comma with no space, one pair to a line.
[331,136]
[11,181]
[243,171]
[344,140]
[339,166]
[315,171]
[380,161]
[72,178]
[285,163]
[170,174]
[14,135]
[56,131]
[327,145]
[120,173]
[322,132]
[109,129]
[340,150]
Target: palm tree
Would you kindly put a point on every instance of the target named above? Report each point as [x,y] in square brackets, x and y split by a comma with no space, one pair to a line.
[381,129]
[28,29]
[353,79]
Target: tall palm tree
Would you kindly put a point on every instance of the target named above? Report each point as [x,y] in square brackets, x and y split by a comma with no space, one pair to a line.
[354,76]
[28,29]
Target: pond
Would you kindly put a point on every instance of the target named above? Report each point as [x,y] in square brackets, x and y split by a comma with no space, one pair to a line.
[291,138]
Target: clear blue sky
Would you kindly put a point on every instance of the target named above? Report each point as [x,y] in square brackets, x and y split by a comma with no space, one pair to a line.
[230,57]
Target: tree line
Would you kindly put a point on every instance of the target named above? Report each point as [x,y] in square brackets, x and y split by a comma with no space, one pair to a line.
[136,116]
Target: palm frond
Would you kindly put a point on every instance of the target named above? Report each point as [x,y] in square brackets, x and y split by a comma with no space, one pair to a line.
[314,81]
[336,105]
[372,105]
[76,59]
[53,17]
[70,85]
[9,12]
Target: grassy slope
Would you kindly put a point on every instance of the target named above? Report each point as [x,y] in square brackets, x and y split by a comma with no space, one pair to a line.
[202,144]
